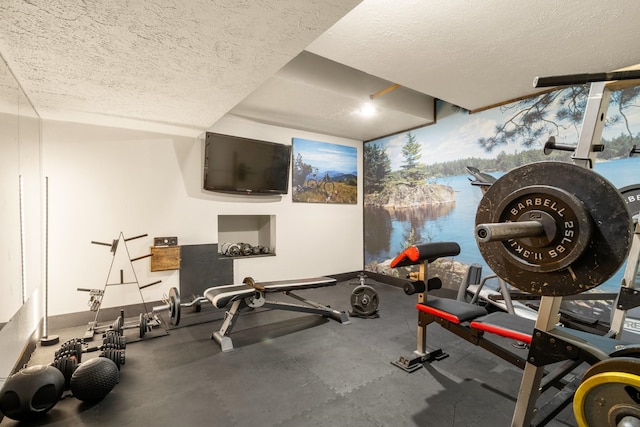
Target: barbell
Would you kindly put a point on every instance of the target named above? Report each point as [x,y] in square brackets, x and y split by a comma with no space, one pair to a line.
[173,306]
[557,229]
[553,228]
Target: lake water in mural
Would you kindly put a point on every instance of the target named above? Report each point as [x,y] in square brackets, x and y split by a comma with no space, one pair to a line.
[386,231]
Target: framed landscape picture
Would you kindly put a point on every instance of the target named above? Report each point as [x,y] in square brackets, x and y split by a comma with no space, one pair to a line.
[324,172]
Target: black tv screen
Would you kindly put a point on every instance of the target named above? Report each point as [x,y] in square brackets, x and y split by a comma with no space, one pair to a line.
[248,166]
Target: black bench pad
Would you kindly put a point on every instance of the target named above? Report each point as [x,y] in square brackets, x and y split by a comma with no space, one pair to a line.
[451,310]
[221,296]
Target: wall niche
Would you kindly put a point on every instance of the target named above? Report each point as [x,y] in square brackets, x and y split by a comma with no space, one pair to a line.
[245,236]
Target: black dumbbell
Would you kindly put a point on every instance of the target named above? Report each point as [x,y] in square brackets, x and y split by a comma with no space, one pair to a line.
[66,365]
[113,338]
[116,356]
[76,350]
[68,350]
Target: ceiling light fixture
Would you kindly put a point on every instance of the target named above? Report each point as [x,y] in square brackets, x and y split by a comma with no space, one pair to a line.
[368,109]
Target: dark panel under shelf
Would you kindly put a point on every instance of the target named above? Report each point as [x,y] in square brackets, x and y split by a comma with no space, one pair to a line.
[201,268]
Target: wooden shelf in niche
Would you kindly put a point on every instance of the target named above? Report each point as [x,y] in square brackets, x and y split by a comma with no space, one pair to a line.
[252,229]
[165,258]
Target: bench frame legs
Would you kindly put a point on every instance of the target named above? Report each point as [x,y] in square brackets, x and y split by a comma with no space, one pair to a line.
[422,353]
[258,300]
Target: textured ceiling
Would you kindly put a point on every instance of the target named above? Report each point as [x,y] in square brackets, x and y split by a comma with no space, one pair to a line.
[477,53]
[179,66]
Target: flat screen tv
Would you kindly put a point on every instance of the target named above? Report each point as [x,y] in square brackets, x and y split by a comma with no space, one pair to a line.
[245,166]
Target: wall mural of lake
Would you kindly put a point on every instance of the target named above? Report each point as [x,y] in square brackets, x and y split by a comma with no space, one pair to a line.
[417,190]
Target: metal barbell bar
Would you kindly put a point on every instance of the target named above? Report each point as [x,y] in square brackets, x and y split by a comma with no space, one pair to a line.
[508,230]
[174,306]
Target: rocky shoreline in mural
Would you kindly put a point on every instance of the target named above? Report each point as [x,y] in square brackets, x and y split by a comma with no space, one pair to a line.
[398,196]
[402,199]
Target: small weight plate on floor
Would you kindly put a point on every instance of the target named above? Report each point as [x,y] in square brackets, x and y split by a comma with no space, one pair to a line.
[174,306]
[364,300]
[142,325]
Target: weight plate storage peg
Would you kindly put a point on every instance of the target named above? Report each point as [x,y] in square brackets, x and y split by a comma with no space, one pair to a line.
[174,306]
[553,228]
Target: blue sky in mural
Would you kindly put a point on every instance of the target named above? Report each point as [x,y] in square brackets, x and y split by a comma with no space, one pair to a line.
[455,136]
[326,156]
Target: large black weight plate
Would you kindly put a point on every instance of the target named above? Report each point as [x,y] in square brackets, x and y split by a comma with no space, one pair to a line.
[631,195]
[174,306]
[567,228]
[364,300]
[611,230]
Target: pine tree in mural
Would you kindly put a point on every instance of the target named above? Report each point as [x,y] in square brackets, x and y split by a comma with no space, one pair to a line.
[411,153]
[621,102]
[377,167]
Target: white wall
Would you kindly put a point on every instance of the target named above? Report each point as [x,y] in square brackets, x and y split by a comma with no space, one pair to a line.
[103,181]
[10,258]
[21,268]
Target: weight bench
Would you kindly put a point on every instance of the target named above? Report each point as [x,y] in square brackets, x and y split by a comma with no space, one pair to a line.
[454,315]
[252,294]
[585,346]
[564,348]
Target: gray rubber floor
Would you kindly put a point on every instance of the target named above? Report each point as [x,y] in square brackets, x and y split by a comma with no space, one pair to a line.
[294,369]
